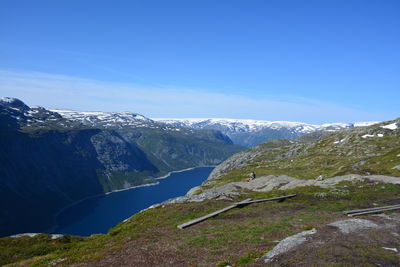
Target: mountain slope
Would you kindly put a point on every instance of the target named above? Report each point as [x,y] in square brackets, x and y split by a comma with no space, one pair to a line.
[366,150]
[168,147]
[250,133]
[48,161]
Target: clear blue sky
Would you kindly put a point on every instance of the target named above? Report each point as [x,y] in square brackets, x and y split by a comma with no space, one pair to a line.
[312,61]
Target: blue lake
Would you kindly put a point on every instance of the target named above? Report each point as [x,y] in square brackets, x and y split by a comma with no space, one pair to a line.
[99,214]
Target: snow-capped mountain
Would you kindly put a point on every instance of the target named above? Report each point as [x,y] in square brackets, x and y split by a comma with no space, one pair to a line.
[24,114]
[253,132]
[27,116]
[106,119]
[237,125]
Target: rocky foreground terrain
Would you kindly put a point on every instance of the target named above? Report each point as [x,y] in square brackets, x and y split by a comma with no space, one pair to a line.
[329,173]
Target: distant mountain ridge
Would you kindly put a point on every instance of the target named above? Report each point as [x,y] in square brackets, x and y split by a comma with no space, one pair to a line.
[107,119]
[250,133]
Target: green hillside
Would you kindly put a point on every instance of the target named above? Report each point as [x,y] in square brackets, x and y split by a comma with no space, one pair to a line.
[363,150]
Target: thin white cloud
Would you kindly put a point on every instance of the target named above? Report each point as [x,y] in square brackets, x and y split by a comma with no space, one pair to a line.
[61,91]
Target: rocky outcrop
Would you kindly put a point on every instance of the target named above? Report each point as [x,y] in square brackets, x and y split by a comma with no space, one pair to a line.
[353,240]
[283,182]
[287,244]
[242,159]
[271,182]
[236,161]
[209,195]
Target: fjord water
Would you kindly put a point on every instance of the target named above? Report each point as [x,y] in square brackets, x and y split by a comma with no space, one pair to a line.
[99,214]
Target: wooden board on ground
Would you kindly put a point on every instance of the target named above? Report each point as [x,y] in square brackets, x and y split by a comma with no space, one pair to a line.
[368,209]
[238,204]
[371,210]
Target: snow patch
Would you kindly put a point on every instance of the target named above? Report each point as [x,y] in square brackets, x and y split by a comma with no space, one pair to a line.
[340,141]
[372,135]
[8,99]
[364,124]
[367,135]
[392,126]
[24,234]
[391,249]
[340,125]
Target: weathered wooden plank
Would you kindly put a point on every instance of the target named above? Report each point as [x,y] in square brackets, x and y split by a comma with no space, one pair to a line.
[369,209]
[184,225]
[271,199]
[373,211]
[238,204]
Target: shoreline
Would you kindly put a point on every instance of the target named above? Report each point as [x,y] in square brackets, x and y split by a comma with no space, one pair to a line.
[132,187]
[49,230]
[157,178]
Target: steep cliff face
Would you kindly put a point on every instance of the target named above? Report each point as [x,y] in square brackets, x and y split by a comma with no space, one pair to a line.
[42,173]
[177,150]
[168,147]
[48,161]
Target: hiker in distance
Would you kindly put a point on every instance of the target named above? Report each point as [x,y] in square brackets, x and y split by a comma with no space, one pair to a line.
[252,177]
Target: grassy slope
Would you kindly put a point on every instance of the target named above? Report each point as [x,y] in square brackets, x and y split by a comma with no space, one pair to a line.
[240,235]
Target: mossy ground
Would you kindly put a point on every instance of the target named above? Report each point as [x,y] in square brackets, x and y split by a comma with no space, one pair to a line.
[237,237]
[25,247]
